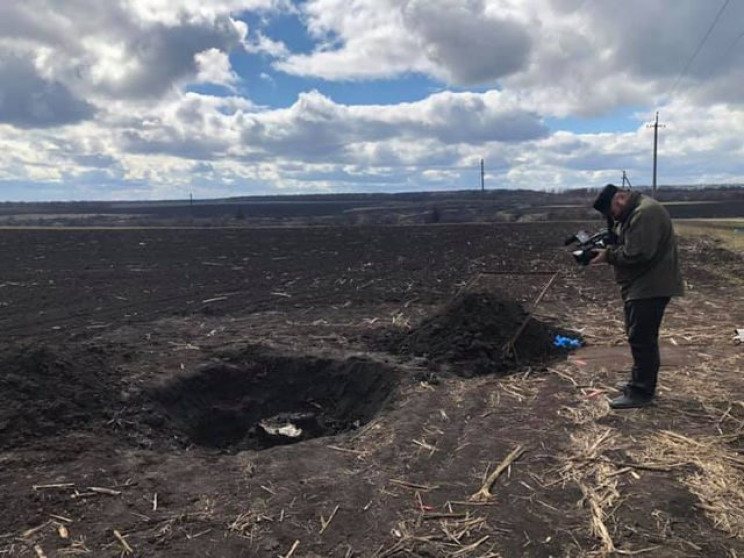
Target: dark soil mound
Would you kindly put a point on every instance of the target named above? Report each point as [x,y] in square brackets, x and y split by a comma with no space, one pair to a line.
[474,331]
[47,390]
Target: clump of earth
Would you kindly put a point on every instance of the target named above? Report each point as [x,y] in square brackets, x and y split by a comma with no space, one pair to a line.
[45,390]
[472,335]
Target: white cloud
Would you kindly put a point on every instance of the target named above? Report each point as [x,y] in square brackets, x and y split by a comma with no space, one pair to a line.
[316,127]
[171,12]
[133,49]
[264,45]
[458,41]
[559,56]
[191,126]
[267,78]
[164,57]
[96,93]
[462,42]
[214,67]
[28,100]
[466,43]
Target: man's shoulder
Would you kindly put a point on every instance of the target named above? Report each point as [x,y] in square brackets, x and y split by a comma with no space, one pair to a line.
[649,204]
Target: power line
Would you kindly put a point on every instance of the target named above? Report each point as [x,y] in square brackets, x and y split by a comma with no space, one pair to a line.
[700,47]
[732,45]
[723,58]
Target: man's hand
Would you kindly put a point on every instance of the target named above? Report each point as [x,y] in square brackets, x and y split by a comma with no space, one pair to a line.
[600,258]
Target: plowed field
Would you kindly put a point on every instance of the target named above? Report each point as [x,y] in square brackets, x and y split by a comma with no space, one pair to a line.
[348,391]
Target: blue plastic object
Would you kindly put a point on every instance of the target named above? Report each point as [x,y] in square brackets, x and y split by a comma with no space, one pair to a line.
[567,342]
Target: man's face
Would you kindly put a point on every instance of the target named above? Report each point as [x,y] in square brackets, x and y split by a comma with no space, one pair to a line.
[618,203]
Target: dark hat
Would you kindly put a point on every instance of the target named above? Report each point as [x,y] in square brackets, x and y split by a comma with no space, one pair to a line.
[604,199]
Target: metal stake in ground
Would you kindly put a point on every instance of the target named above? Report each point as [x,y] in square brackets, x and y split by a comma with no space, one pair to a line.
[480,274]
[509,348]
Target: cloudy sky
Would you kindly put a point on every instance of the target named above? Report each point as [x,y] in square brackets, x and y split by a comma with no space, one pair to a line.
[154,99]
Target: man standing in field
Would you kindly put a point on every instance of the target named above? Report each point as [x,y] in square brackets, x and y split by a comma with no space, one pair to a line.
[646,266]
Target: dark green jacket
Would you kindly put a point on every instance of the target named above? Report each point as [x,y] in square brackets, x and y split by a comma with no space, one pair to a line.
[645,259]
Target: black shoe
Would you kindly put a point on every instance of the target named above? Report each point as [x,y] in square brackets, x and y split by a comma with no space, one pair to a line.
[630,401]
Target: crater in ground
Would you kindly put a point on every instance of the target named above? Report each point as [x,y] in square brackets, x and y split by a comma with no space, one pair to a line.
[256,401]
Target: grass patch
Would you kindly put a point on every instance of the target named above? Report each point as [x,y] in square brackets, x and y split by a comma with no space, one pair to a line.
[729,231]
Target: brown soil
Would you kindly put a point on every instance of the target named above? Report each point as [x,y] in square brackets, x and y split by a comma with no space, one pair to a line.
[321,393]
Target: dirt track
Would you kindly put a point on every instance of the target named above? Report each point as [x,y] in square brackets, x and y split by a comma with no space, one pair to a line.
[143,373]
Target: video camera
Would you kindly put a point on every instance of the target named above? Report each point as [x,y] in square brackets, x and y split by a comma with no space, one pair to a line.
[588,244]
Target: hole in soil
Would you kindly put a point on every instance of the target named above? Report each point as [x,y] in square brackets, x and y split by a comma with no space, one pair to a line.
[259,401]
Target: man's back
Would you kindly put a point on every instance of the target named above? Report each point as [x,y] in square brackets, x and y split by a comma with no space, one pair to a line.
[647,262]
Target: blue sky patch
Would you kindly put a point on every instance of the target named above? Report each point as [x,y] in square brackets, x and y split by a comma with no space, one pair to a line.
[620,120]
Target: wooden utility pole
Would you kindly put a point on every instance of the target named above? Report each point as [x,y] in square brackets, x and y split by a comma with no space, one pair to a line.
[483,176]
[655,126]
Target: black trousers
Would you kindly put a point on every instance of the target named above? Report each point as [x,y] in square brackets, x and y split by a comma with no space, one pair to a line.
[642,322]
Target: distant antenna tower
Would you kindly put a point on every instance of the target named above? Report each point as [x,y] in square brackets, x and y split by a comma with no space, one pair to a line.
[483,176]
[626,180]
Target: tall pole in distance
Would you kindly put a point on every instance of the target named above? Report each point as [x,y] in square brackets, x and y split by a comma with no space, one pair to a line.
[655,126]
[483,176]
[656,151]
